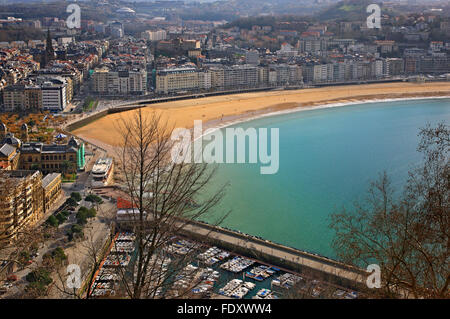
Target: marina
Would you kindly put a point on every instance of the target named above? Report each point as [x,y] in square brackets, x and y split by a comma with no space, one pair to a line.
[237,264]
[265,294]
[212,256]
[236,288]
[213,272]
[261,273]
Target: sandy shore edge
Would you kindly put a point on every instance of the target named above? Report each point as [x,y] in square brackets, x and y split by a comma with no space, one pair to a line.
[223,111]
[219,123]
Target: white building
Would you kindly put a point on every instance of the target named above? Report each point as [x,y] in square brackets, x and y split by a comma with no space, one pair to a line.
[53,96]
[204,80]
[105,81]
[177,79]
[154,35]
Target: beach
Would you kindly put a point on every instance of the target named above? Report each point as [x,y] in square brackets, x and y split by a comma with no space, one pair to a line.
[222,110]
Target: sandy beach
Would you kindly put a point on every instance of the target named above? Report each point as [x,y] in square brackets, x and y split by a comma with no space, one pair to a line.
[220,110]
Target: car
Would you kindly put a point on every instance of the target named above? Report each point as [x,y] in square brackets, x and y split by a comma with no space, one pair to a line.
[12,278]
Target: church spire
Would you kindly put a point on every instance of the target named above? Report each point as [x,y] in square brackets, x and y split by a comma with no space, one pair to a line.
[49,51]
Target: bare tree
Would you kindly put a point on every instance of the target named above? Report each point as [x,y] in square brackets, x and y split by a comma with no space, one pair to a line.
[406,234]
[166,198]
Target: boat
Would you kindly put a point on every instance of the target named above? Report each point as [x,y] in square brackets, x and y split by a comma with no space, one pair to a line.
[101,171]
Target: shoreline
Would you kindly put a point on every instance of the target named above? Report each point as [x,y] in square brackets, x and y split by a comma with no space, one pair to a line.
[211,125]
[222,111]
[222,122]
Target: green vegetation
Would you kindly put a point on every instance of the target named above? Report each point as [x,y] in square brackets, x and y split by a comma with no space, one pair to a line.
[71,202]
[61,218]
[12,33]
[84,214]
[57,219]
[52,221]
[69,178]
[94,199]
[59,256]
[65,213]
[77,228]
[75,231]
[76,196]
[348,10]
[39,280]
[90,104]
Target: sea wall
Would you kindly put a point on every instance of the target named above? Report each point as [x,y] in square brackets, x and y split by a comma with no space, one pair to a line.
[271,251]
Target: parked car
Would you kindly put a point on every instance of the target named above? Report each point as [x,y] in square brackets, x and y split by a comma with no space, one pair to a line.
[12,278]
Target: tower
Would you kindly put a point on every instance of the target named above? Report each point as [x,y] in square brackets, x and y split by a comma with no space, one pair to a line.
[24,131]
[49,51]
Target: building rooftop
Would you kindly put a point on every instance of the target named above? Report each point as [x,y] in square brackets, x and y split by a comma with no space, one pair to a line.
[48,179]
[6,150]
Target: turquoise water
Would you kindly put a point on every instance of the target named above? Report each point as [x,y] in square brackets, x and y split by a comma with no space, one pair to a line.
[328,157]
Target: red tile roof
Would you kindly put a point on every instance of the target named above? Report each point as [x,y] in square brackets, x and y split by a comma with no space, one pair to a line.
[124,204]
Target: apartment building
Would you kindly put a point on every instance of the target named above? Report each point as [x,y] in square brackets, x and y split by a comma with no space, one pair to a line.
[204,80]
[280,74]
[52,191]
[106,81]
[14,97]
[21,202]
[46,94]
[154,35]
[179,79]
[54,96]
[217,77]
[438,63]
[101,80]
[394,66]
[343,71]
[33,97]
[240,76]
